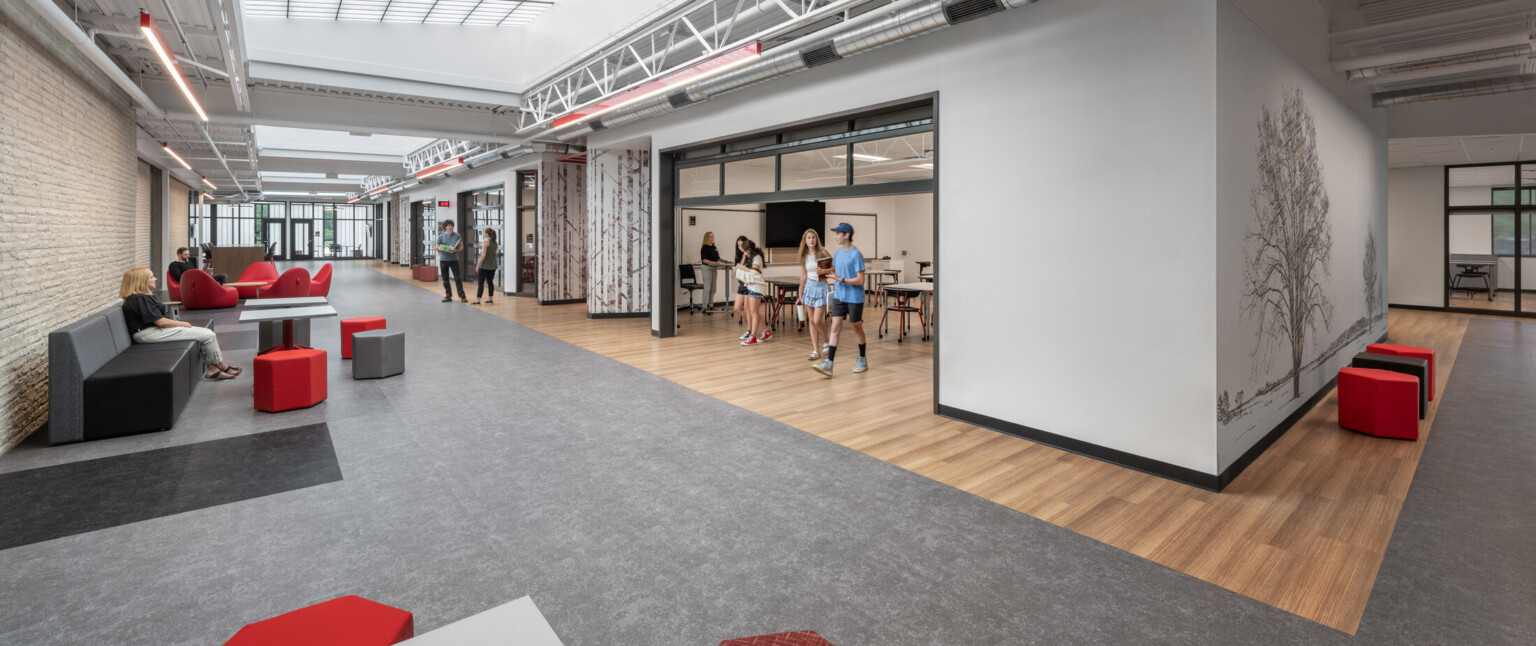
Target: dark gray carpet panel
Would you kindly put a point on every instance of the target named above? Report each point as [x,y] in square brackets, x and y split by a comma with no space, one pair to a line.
[633,510]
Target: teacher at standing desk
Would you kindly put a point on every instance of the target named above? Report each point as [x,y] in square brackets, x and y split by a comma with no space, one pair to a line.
[710,257]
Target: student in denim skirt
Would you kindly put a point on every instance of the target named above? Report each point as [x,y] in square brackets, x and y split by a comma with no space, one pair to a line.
[813,290]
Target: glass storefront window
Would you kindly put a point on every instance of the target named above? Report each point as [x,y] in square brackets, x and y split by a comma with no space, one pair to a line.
[897,159]
[749,176]
[699,181]
[814,168]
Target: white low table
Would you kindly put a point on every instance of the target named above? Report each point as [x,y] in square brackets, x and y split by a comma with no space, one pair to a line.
[268,303]
[287,316]
[518,623]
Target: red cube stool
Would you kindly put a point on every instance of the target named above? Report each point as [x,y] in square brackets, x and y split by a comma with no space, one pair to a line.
[289,379]
[353,326]
[425,273]
[1379,402]
[343,621]
[1412,352]
[797,638]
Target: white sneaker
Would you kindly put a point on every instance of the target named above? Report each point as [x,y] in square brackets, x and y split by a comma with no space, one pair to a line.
[825,367]
[745,335]
[861,366]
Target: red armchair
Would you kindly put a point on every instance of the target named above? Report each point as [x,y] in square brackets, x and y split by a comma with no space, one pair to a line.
[199,291]
[171,285]
[321,285]
[260,272]
[292,284]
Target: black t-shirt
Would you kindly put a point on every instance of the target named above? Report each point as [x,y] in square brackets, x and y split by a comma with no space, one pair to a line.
[141,311]
[710,253]
[178,267]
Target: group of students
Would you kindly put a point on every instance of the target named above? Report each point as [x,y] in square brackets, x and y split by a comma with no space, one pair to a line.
[449,244]
[836,290]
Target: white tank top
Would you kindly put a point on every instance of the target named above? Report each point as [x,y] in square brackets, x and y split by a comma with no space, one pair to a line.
[810,269]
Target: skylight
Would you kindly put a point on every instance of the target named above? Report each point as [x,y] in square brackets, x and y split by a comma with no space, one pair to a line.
[438,12]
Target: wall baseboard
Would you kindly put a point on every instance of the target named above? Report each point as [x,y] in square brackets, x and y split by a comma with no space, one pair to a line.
[1176,473]
[1426,308]
[568,301]
[618,315]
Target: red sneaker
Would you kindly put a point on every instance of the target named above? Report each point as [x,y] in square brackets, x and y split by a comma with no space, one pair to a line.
[751,340]
[767,334]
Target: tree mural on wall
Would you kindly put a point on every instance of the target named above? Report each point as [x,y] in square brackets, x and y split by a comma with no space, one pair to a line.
[1289,250]
[1373,286]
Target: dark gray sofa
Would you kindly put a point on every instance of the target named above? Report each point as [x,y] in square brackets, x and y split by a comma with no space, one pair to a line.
[101,384]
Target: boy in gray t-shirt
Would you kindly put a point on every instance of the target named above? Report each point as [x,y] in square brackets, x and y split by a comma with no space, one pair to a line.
[449,244]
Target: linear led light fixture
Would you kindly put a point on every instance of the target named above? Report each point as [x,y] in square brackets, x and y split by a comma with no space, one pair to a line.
[167,148]
[157,42]
[864,157]
[354,198]
[210,184]
[714,66]
[380,189]
[924,166]
[440,168]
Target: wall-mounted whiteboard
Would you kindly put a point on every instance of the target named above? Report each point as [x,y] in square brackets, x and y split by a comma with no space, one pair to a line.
[865,229]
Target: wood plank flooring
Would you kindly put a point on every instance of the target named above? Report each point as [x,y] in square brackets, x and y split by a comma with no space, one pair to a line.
[1303,529]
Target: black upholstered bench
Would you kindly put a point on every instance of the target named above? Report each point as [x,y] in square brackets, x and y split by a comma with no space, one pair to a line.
[101,384]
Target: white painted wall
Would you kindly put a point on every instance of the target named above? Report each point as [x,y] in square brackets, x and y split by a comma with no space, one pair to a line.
[566,30]
[1033,103]
[1471,195]
[1416,236]
[1256,74]
[1471,233]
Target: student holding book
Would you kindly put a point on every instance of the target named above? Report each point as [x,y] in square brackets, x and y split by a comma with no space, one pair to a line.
[813,291]
[847,276]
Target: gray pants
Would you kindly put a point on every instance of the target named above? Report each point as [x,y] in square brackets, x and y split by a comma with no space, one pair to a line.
[709,286]
[203,336]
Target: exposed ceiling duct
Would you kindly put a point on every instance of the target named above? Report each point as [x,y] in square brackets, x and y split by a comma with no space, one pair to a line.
[1440,62]
[1460,90]
[916,21]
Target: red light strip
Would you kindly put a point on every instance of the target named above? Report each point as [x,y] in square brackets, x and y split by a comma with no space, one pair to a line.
[727,61]
[354,199]
[157,42]
[440,168]
[378,190]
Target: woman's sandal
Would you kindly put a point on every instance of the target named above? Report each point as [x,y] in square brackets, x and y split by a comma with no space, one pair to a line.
[219,375]
[233,371]
[475,303]
[813,356]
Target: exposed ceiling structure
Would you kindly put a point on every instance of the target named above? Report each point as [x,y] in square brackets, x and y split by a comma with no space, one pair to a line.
[1444,151]
[1417,51]
[490,13]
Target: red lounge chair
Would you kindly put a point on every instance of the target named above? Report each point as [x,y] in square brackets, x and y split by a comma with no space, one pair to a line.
[171,285]
[321,285]
[292,284]
[199,291]
[261,272]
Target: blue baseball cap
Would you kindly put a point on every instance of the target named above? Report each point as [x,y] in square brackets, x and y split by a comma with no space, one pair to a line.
[843,227]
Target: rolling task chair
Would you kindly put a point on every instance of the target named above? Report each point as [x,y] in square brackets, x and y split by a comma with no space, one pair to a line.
[688,281]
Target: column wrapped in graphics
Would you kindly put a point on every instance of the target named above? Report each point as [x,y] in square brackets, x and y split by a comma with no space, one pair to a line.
[562,232]
[619,226]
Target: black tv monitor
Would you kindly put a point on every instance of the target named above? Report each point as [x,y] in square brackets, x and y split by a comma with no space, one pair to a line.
[787,221]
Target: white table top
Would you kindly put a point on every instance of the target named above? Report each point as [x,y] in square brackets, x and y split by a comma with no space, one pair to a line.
[281,314]
[518,623]
[912,287]
[258,303]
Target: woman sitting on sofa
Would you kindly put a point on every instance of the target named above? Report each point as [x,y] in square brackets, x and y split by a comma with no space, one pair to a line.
[147,323]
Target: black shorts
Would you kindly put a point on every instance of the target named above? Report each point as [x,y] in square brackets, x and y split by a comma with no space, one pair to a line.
[741,289]
[854,312]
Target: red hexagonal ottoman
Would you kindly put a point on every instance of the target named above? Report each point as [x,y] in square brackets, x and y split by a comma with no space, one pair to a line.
[353,326]
[289,379]
[797,638]
[343,621]
[1412,352]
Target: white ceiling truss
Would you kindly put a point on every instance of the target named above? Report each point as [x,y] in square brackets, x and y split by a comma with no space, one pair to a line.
[1413,51]
[383,97]
[677,38]
[489,13]
[439,151]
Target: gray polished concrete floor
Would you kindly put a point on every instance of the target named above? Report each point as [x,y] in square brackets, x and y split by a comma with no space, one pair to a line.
[505,463]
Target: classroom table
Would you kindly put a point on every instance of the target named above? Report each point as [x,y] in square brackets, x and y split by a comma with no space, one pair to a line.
[904,293]
[786,292]
[1470,267]
[880,278]
[287,316]
[298,301]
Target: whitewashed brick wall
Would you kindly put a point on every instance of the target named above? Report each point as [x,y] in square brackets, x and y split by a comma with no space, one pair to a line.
[68,222]
[180,210]
[143,216]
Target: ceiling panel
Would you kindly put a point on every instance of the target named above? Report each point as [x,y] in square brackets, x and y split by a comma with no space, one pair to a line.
[487,13]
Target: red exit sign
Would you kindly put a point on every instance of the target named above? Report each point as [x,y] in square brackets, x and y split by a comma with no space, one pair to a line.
[445,203]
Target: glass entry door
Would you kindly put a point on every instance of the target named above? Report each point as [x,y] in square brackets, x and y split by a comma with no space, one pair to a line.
[526,238]
[303,240]
[275,238]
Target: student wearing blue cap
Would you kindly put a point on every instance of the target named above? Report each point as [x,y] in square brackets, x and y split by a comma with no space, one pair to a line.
[847,278]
